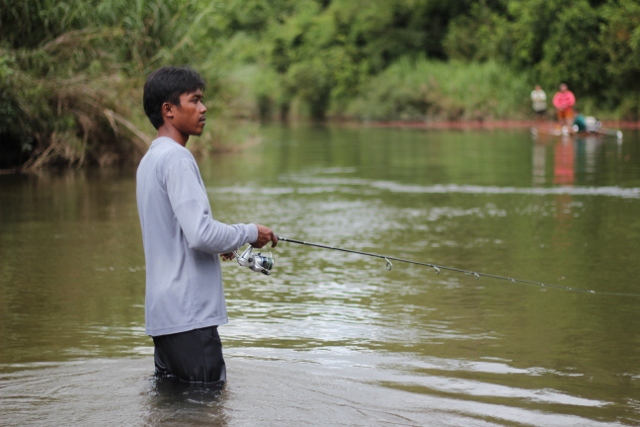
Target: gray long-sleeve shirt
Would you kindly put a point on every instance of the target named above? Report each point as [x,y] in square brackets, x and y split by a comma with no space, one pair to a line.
[181,242]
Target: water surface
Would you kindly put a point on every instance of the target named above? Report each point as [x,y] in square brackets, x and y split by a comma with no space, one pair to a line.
[332,338]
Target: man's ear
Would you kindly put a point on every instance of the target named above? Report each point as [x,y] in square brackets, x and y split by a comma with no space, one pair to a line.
[167,110]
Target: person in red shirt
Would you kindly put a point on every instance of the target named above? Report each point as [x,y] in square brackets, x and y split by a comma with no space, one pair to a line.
[564,100]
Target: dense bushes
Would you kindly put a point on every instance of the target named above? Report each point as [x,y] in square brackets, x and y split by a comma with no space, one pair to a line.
[342,58]
[592,46]
[432,90]
[71,72]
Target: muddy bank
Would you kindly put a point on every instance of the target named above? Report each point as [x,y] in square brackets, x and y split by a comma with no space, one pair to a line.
[497,124]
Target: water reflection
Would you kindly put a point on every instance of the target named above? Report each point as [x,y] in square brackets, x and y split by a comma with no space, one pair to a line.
[174,403]
[576,159]
[563,162]
[539,163]
[586,152]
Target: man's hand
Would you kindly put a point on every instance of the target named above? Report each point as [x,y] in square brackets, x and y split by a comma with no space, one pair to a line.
[265,235]
[227,257]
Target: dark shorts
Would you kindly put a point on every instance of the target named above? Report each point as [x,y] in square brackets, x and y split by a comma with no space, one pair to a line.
[193,356]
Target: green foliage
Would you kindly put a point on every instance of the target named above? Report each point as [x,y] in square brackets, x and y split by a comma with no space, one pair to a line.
[572,52]
[592,46]
[620,38]
[67,67]
[433,90]
[326,50]
[71,72]
[530,25]
[620,42]
[478,36]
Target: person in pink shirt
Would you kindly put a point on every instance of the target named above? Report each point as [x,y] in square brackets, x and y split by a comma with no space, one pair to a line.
[564,100]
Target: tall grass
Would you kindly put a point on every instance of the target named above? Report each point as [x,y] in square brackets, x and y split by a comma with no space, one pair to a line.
[65,114]
[432,90]
[71,75]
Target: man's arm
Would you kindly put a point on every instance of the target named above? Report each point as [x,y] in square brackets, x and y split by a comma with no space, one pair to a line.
[191,207]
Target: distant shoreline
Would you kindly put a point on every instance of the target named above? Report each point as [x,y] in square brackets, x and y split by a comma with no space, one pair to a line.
[477,124]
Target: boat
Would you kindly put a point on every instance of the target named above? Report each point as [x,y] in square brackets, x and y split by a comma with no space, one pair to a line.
[592,128]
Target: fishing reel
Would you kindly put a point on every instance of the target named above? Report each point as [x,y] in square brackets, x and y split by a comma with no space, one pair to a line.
[255,262]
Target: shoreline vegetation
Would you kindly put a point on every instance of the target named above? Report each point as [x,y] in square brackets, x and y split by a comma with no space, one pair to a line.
[201,146]
[494,124]
[71,74]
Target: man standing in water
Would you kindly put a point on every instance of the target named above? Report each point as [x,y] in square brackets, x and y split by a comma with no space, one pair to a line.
[184,301]
[564,100]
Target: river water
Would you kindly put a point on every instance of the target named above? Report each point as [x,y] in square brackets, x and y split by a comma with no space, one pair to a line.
[332,338]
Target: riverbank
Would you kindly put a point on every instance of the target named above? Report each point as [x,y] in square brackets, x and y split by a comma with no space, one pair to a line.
[482,124]
[244,137]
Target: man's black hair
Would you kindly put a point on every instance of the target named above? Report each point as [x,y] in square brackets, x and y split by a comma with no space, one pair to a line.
[166,84]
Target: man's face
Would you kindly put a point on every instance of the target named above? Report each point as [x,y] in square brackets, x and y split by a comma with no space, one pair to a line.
[189,116]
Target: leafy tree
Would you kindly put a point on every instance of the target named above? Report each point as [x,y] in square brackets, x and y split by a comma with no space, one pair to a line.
[478,36]
[572,53]
[620,41]
[531,23]
[327,49]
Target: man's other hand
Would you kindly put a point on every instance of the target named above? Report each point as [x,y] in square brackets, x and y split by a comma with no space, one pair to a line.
[227,257]
[265,235]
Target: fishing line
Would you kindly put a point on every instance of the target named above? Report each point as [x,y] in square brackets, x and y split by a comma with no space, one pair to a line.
[437,268]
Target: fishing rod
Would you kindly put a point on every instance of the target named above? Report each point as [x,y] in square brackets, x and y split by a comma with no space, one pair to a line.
[263,264]
[616,133]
